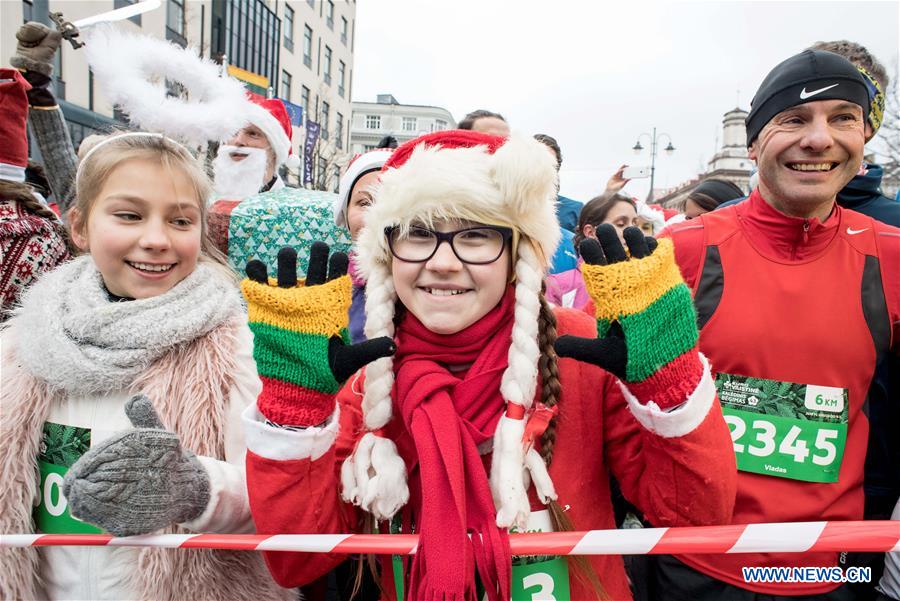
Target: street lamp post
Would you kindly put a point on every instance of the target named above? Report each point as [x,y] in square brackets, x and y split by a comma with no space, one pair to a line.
[654,140]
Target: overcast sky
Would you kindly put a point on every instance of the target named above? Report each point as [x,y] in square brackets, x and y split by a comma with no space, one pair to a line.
[597,74]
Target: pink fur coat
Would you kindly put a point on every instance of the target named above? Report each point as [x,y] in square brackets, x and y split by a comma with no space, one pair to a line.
[190,388]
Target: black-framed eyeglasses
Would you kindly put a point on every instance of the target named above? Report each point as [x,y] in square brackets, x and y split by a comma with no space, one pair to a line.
[477,245]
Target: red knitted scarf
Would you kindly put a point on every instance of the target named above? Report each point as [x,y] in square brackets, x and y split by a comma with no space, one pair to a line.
[447,416]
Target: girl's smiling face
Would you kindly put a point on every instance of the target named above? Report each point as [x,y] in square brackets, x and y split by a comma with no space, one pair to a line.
[444,293]
[143,229]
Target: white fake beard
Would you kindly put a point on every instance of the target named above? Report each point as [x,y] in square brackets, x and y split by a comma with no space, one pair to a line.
[236,180]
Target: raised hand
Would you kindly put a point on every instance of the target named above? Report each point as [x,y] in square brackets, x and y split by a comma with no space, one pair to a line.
[36,45]
[617,180]
[137,481]
[646,324]
[301,343]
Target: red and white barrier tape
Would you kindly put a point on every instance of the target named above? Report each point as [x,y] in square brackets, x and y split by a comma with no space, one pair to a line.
[797,537]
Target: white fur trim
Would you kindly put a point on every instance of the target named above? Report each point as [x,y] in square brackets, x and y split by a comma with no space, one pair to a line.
[514,186]
[128,65]
[271,128]
[374,477]
[679,421]
[286,445]
[292,162]
[12,173]
[369,161]
[543,484]
[508,474]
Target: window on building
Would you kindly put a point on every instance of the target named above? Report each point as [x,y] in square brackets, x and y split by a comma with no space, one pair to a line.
[304,99]
[320,176]
[175,22]
[312,3]
[368,147]
[289,28]
[373,121]
[409,124]
[339,130]
[27,11]
[335,179]
[286,85]
[329,15]
[344,27]
[326,108]
[123,3]
[307,46]
[249,33]
[342,68]
[439,125]
[326,76]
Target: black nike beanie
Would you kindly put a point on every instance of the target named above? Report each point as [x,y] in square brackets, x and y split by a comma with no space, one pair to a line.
[806,77]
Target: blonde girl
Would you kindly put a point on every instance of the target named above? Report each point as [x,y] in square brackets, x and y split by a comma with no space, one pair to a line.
[124,373]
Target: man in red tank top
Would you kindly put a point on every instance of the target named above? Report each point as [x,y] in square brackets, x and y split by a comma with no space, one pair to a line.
[798,301]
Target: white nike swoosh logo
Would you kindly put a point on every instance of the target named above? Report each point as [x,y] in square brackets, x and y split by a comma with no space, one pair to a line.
[851,232]
[804,94]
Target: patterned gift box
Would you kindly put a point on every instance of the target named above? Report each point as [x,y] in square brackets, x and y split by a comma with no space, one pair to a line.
[258,227]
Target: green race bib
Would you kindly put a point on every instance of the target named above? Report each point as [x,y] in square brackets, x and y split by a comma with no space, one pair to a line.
[534,577]
[787,430]
[61,446]
[539,577]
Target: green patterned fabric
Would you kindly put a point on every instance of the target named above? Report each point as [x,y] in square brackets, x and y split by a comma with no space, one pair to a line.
[258,227]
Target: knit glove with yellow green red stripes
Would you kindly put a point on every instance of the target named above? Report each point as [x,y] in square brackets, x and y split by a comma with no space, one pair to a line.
[300,337]
[646,323]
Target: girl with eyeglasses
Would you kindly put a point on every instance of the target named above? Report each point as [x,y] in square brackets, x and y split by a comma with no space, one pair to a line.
[481,411]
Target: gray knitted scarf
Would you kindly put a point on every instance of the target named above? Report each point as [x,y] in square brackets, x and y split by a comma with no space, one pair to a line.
[74,338]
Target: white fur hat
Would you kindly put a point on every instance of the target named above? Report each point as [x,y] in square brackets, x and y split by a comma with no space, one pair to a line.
[465,175]
[458,175]
[358,167]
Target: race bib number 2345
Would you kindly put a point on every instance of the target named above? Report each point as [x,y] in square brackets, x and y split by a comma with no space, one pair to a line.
[783,429]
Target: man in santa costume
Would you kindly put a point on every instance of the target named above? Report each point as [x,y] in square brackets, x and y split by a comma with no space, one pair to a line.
[248,162]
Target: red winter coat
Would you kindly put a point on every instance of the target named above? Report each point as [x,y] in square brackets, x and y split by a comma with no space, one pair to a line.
[681,480]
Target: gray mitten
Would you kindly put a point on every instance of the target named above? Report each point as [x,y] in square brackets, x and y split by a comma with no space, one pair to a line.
[137,481]
[37,44]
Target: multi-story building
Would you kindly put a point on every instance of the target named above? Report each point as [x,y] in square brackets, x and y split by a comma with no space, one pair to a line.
[731,162]
[374,120]
[298,50]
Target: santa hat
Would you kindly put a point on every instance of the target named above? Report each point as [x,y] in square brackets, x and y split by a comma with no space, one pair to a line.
[270,116]
[652,213]
[13,117]
[360,165]
[459,175]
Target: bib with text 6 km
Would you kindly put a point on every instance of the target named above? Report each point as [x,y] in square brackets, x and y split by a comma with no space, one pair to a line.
[782,429]
[61,447]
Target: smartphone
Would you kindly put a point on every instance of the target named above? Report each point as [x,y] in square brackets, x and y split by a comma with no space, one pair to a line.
[636,172]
